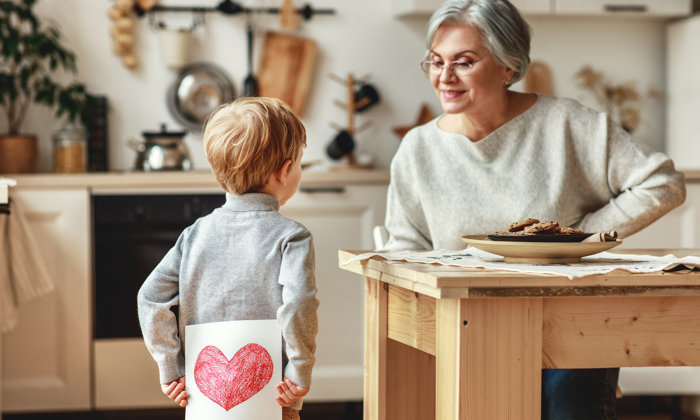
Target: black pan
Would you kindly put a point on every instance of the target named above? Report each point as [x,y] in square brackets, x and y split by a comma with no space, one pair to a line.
[541,237]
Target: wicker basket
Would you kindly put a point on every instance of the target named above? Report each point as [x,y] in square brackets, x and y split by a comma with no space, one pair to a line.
[18,154]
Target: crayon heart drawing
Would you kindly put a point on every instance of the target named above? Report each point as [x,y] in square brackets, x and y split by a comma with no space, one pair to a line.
[231,382]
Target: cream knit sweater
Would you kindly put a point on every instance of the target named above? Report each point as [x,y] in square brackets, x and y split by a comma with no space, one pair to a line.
[559,160]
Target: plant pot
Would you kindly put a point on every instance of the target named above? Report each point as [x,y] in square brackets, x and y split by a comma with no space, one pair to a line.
[18,154]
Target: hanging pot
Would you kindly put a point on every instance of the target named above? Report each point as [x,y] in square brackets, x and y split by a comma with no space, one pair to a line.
[197,91]
[174,46]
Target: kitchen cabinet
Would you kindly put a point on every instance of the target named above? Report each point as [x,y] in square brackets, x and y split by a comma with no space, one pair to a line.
[642,8]
[52,362]
[338,218]
[402,8]
[683,86]
[680,228]
[427,7]
[534,7]
[627,8]
[46,357]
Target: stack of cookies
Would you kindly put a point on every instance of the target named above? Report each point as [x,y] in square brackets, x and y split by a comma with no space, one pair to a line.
[535,227]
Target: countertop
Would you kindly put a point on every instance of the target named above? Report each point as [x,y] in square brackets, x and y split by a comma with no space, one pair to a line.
[184,180]
[692,175]
[205,179]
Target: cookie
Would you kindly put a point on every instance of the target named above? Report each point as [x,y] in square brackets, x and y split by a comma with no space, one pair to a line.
[543,227]
[569,231]
[518,226]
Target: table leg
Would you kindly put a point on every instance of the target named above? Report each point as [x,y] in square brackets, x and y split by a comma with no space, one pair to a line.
[489,359]
[374,404]
[399,380]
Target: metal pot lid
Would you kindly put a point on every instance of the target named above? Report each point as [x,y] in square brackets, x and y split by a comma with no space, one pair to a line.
[163,133]
[197,91]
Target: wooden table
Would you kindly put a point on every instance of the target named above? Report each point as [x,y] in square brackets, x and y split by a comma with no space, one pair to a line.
[457,343]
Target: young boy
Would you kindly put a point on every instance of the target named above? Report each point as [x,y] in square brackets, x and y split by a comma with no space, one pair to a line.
[244,260]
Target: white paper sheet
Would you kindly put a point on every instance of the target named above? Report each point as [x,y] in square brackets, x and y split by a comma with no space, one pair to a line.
[232,369]
[600,263]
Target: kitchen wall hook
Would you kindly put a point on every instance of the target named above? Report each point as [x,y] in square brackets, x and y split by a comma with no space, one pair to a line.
[230,7]
[197,20]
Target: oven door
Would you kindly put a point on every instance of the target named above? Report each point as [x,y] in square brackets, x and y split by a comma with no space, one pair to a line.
[132,233]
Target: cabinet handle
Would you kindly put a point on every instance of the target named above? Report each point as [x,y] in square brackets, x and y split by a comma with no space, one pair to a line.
[626,8]
[313,190]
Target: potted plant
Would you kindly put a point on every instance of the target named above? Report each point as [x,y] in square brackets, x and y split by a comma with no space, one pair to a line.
[30,55]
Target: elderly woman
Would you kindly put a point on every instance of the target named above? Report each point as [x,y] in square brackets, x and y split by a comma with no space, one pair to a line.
[496,156]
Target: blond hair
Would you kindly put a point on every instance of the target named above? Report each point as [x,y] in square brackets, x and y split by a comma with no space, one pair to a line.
[249,139]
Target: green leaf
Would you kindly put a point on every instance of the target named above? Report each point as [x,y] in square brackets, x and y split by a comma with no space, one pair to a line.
[30,52]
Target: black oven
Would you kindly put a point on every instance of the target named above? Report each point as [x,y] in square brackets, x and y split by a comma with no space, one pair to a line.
[132,233]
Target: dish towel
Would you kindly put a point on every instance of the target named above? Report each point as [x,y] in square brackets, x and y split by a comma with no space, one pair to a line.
[23,272]
[600,263]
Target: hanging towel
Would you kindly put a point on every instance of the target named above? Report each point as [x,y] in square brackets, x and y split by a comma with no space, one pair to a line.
[24,275]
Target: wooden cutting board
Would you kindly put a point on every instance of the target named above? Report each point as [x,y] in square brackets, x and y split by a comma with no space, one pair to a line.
[538,78]
[286,68]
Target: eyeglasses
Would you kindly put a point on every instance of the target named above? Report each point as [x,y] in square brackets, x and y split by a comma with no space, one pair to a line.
[435,68]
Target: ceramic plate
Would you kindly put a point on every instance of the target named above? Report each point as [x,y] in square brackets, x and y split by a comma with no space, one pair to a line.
[542,237]
[539,252]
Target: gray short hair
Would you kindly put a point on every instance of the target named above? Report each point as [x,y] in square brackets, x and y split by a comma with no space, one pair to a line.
[505,32]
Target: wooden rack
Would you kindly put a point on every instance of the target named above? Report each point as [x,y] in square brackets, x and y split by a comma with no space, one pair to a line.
[351,107]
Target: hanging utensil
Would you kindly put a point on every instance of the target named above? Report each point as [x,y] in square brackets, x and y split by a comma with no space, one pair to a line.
[289,20]
[286,68]
[250,85]
[197,91]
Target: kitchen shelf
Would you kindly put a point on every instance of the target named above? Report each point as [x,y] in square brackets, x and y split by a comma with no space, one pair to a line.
[622,8]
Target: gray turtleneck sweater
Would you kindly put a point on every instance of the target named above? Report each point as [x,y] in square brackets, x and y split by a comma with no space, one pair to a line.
[243,261]
[556,161]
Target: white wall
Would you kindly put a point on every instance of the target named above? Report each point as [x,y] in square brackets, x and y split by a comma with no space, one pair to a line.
[623,49]
[361,38]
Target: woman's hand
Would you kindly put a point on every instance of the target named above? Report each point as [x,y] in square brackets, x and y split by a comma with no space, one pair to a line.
[175,390]
[289,392]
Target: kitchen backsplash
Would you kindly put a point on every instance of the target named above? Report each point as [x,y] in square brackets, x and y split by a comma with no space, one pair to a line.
[362,38]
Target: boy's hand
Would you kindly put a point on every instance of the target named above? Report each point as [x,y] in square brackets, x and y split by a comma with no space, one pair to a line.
[289,392]
[175,390]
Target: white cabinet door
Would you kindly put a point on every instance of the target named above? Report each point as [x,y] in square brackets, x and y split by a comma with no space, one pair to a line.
[628,8]
[658,8]
[340,218]
[683,85]
[414,7]
[427,7]
[680,228]
[46,358]
[534,7]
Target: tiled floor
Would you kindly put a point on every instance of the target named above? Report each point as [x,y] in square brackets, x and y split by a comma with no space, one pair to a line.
[311,411]
[651,408]
[629,408]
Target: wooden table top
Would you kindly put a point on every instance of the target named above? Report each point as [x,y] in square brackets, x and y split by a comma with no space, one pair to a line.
[441,281]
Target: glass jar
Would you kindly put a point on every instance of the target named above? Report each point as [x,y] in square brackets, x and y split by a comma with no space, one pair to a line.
[70,149]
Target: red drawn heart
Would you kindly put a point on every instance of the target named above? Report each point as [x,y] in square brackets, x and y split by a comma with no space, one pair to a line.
[231,382]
